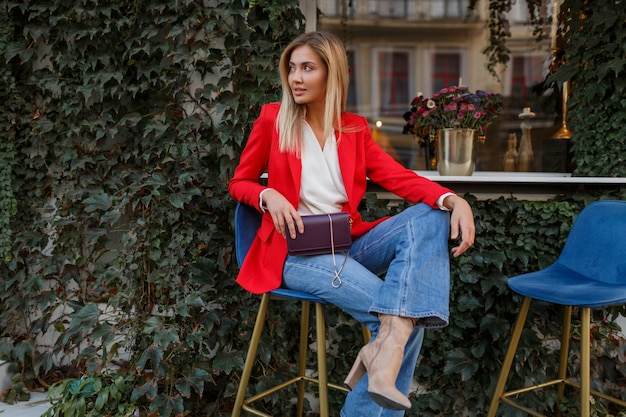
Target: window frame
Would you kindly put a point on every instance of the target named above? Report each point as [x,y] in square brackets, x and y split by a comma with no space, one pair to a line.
[398,107]
[454,79]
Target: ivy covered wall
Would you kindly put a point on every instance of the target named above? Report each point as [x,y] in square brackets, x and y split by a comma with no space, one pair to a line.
[121,125]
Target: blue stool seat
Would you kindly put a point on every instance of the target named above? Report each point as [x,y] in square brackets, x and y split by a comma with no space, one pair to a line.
[296,295]
[560,285]
[590,272]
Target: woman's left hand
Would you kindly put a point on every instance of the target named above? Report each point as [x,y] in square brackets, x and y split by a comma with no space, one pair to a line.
[461,223]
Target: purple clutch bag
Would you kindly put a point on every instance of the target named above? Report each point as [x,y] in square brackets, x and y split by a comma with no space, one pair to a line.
[323,233]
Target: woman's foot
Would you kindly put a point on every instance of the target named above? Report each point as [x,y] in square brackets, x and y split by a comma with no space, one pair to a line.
[381,359]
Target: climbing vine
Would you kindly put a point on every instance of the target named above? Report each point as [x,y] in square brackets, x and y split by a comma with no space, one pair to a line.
[497,51]
[8,122]
[8,204]
[122,123]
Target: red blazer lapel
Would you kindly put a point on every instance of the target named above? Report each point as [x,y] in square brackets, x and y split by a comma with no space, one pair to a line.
[295,168]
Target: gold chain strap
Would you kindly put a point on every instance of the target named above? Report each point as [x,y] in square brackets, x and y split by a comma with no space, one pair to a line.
[336,281]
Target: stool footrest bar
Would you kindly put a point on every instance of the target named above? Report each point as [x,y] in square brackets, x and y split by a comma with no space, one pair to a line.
[505,398]
[248,401]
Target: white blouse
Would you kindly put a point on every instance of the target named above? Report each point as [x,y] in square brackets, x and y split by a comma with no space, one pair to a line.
[322,189]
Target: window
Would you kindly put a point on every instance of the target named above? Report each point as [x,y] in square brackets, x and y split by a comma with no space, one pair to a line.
[393,76]
[390,61]
[448,9]
[393,8]
[526,71]
[446,70]
[519,11]
[330,8]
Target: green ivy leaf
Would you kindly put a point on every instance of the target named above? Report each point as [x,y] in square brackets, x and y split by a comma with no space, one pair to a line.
[165,337]
[227,361]
[460,361]
[195,380]
[167,404]
[100,202]
[153,355]
[43,363]
[149,389]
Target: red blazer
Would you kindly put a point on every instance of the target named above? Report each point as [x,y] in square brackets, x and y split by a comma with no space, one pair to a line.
[360,158]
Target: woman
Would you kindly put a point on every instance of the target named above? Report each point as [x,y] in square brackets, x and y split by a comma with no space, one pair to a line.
[318,159]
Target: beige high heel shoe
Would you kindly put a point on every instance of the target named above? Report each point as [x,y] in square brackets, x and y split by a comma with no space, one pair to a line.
[381,359]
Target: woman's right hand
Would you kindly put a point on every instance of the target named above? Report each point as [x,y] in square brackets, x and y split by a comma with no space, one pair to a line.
[283,213]
[461,223]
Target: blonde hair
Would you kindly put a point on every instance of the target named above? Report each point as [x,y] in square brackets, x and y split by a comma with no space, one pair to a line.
[332,53]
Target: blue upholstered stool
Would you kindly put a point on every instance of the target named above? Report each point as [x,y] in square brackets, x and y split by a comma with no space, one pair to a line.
[590,272]
[247,221]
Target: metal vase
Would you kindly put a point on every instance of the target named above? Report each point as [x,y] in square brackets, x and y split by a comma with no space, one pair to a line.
[456,151]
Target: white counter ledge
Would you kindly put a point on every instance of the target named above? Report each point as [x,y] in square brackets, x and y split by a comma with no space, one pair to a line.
[521,177]
[520,185]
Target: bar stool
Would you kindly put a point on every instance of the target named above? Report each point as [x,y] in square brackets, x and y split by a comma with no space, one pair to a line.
[590,272]
[247,221]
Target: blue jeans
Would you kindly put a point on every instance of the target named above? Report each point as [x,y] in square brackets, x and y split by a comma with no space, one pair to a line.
[410,250]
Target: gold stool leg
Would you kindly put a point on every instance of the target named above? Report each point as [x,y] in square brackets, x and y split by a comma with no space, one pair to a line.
[367,335]
[251,356]
[510,354]
[304,340]
[321,359]
[585,353]
[564,355]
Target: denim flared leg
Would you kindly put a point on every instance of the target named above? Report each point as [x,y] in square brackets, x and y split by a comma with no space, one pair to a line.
[412,249]
[410,252]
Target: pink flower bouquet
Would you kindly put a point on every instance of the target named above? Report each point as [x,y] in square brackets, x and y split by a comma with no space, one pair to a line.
[452,107]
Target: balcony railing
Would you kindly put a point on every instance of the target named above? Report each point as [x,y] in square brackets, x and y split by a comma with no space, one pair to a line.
[409,10]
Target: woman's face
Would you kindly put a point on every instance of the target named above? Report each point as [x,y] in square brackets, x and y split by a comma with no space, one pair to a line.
[307,76]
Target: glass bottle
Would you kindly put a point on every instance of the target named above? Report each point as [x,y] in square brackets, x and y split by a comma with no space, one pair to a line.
[526,162]
[510,157]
